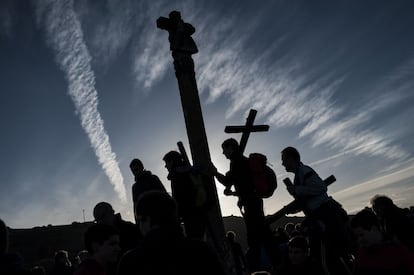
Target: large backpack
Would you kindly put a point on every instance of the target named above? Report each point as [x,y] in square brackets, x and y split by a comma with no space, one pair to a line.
[263,177]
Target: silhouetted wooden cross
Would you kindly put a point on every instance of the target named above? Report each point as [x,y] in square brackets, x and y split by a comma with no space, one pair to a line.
[182,47]
[246,129]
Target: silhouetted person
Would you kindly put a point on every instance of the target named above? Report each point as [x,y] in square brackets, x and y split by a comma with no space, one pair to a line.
[83,255]
[326,220]
[299,261]
[289,227]
[185,192]
[102,243]
[144,180]
[281,235]
[378,254]
[10,263]
[250,204]
[394,221]
[237,251]
[128,232]
[164,249]
[62,264]
[298,228]
[75,262]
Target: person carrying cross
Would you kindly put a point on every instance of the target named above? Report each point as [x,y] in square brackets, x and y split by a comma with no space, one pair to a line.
[326,220]
[250,204]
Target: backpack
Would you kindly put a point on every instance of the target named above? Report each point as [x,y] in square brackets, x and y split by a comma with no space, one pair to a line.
[263,177]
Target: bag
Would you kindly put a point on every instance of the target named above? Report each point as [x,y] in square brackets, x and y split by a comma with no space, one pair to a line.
[263,177]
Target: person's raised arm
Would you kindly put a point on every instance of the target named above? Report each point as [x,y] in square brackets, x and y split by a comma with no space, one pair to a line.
[219,176]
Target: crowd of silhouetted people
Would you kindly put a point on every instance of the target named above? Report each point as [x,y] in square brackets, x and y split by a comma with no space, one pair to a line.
[171,231]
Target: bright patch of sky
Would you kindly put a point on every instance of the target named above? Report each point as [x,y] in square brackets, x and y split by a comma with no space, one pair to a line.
[89,85]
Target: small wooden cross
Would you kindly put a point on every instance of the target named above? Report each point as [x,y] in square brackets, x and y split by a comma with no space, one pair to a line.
[246,129]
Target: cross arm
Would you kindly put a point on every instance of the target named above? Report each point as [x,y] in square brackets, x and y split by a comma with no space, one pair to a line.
[241,129]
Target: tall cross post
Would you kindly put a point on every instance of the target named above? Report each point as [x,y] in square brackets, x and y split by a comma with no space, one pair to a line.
[183,46]
[246,129]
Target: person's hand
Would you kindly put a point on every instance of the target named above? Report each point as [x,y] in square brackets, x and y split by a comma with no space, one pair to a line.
[212,170]
[228,191]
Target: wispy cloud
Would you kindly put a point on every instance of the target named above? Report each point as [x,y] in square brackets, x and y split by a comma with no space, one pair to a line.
[64,34]
[152,58]
[110,27]
[294,91]
[287,86]
[359,195]
[128,27]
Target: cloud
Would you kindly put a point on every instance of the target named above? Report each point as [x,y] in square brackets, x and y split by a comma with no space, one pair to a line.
[117,27]
[292,89]
[64,34]
[109,27]
[152,62]
[397,185]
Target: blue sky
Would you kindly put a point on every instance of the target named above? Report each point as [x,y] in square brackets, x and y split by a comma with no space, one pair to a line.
[88,85]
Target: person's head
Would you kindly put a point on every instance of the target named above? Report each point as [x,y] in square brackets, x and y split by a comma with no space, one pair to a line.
[83,255]
[366,228]
[290,159]
[62,258]
[102,243]
[4,238]
[156,209]
[230,146]
[172,159]
[298,227]
[382,205]
[136,167]
[289,227]
[230,235]
[75,262]
[104,213]
[298,249]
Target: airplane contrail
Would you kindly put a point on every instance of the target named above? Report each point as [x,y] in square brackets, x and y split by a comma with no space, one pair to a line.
[65,36]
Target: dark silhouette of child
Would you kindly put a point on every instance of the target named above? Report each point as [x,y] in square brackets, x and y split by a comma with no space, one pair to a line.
[378,254]
[185,192]
[144,180]
[164,249]
[102,242]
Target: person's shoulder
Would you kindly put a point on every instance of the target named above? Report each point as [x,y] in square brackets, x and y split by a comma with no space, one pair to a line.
[144,175]
[154,177]
[307,171]
[305,168]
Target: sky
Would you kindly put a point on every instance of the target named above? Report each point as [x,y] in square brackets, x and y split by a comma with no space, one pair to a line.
[86,86]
